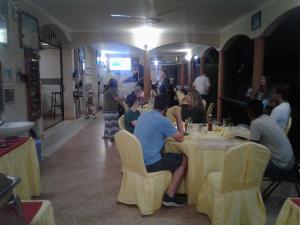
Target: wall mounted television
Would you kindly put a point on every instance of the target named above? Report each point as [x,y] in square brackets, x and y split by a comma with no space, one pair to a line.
[120,64]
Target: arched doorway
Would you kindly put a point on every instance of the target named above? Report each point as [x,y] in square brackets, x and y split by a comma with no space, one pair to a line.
[211,63]
[282,62]
[238,77]
[51,74]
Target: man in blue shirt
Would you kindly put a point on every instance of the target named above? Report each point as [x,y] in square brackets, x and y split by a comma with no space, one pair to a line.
[152,129]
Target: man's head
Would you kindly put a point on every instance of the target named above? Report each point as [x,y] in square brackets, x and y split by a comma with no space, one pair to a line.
[161,103]
[138,91]
[163,74]
[281,92]
[254,109]
[131,100]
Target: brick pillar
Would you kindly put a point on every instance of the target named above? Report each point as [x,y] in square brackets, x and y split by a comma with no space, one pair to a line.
[221,73]
[190,71]
[202,65]
[258,61]
[147,75]
[181,76]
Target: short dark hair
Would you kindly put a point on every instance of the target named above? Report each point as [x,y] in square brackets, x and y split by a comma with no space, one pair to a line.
[161,102]
[255,108]
[283,90]
[131,99]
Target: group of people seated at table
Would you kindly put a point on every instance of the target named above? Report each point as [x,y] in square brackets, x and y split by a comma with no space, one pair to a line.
[152,128]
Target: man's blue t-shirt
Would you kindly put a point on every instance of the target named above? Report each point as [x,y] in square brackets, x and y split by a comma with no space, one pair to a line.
[151,130]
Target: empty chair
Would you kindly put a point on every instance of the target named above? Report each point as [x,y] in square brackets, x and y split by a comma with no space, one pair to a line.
[121,122]
[138,186]
[288,126]
[233,197]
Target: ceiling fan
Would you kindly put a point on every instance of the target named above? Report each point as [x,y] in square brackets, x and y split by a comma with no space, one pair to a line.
[152,17]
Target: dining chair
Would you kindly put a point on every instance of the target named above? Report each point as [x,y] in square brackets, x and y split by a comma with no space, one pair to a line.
[139,187]
[288,126]
[170,111]
[292,176]
[121,122]
[180,97]
[233,197]
[210,110]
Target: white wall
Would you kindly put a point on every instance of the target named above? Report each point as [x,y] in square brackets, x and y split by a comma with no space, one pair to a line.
[50,63]
[12,56]
[270,14]
[49,69]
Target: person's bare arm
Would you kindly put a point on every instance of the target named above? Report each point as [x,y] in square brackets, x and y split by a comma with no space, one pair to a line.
[119,99]
[134,123]
[179,135]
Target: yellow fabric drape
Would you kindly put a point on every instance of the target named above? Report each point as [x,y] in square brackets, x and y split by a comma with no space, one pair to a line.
[171,111]
[45,215]
[180,97]
[23,162]
[139,187]
[233,197]
[289,214]
[121,122]
[203,158]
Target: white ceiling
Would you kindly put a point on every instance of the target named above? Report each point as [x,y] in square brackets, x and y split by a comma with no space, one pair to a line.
[196,16]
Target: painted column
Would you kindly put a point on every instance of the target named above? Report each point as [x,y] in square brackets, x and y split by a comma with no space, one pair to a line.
[221,74]
[68,68]
[202,65]
[147,75]
[181,76]
[258,61]
[190,71]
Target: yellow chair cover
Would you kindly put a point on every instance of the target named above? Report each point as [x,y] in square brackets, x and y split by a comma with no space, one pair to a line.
[210,110]
[170,112]
[139,187]
[288,126]
[124,106]
[233,197]
[121,122]
[289,214]
[180,97]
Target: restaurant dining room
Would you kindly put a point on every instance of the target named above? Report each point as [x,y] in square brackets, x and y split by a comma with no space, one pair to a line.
[149,112]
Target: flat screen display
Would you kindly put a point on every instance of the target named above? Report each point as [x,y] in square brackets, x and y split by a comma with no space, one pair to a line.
[119,63]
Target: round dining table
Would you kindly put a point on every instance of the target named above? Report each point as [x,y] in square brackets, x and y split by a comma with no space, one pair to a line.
[205,152]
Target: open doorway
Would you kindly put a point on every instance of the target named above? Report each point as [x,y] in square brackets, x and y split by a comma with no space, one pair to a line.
[51,84]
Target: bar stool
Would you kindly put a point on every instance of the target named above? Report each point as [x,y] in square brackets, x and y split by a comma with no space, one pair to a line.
[54,104]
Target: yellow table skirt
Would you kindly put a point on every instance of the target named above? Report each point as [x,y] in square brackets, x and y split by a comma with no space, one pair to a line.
[23,162]
[289,214]
[202,160]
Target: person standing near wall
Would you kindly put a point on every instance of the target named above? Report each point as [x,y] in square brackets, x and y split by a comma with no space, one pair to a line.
[202,85]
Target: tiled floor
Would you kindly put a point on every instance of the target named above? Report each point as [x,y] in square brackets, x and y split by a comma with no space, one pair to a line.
[82,180]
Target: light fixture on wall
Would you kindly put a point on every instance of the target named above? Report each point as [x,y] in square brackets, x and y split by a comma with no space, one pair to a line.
[196,57]
[188,55]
